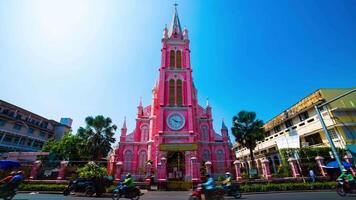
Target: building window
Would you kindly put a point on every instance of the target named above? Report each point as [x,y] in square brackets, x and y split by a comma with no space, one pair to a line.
[15,140]
[30,131]
[179,60]
[17,127]
[333,134]
[29,142]
[144,133]
[303,116]
[37,144]
[277,129]
[204,133]
[18,116]
[2,122]
[22,141]
[220,161]
[179,92]
[313,139]
[42,134]
[206,155]
[289,123]
[350,132]
[7,139]
[171,59]
[171,92]
[268,133]
[142,159]
[128,160]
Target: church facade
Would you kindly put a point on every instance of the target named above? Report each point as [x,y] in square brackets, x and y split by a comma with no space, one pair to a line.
[174,136]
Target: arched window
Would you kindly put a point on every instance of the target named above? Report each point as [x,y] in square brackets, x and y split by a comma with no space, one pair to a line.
[142,158]
[204,133]
[128,160]
[171,92]
[206,155]
[179,92]
[179,59]
[172,59]
[144,133]
[220,161]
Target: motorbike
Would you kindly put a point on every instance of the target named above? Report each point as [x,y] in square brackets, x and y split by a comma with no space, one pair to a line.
[343,188]
[217,194]
[8,192]
[131,193]
[233,191]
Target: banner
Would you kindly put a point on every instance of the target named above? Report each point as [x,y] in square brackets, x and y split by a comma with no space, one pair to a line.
[288,141]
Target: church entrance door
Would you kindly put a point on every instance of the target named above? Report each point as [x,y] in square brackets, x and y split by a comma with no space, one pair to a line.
[175,165]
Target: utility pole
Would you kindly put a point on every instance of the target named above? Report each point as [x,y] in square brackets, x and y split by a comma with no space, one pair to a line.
[331,142]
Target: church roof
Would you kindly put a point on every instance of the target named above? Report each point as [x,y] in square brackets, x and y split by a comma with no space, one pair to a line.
[175,25]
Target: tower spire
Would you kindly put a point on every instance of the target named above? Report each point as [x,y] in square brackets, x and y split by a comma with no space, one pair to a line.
[175,29]
[124,125]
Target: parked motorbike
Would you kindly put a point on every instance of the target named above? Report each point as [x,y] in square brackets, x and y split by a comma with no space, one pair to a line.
[217,194]
[343,188]
[131,193]
[233,191]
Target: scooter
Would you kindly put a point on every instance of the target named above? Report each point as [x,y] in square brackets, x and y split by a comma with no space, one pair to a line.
[343,188]
[9,191]
[198,194]
[133,193]
[233,191]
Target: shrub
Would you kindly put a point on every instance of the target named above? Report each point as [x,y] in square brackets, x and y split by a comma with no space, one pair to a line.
[287,186]
[91,170]
[42,187]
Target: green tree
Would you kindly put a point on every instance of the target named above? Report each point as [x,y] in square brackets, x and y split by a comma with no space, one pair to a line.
[98,135]
[247,131]
[70,147]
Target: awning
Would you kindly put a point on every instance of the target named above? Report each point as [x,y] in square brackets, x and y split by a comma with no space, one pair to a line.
[335,164]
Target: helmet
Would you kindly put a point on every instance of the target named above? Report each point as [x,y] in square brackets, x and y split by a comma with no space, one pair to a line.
[228,174]
[344,170]
[128,175]
[19,172]
[13,173]
[208,175]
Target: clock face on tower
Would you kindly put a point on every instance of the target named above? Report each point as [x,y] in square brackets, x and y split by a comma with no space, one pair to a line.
[175,121]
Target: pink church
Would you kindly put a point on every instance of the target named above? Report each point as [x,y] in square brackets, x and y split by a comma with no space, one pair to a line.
[174,136]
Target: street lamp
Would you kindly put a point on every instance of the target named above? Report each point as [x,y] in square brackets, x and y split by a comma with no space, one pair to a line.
[331,142]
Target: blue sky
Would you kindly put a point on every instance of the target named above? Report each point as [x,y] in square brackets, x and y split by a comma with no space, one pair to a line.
[79,58]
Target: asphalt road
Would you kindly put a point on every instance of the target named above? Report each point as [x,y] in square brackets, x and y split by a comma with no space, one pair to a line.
[185,195]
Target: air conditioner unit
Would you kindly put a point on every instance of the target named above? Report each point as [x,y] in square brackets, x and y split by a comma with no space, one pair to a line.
[305,144]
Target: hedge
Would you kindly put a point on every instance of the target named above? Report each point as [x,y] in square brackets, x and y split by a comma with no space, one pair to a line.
[42,187]
[287,186]
[244,187]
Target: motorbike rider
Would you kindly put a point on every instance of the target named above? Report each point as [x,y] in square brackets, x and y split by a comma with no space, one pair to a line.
[5,181]
[128,183]
[209,187]
[227,181]
[8,178]
[348,177]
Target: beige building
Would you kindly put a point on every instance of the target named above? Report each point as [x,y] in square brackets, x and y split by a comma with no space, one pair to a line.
[22,130]
[299,126]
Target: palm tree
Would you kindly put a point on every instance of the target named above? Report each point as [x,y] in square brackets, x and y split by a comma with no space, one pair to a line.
[247,131]
[98,135]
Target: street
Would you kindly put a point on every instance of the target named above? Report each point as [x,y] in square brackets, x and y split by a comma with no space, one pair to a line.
[185,195]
